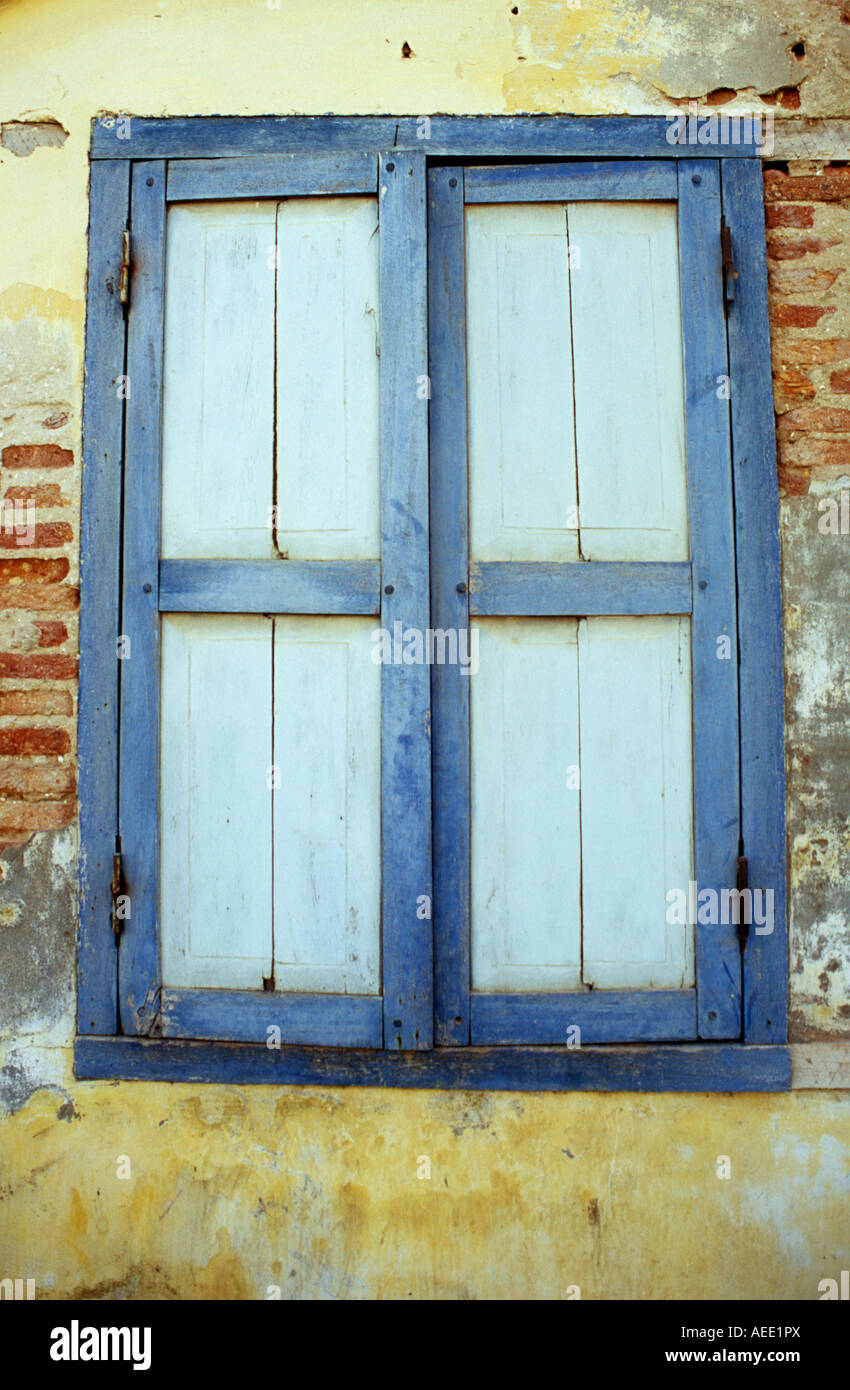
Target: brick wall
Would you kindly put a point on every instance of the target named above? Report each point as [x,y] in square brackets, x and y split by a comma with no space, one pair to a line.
[39,603]
[808,235]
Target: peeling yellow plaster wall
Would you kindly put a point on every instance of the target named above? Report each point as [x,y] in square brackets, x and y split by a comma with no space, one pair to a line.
[236,1193]
[316,1192]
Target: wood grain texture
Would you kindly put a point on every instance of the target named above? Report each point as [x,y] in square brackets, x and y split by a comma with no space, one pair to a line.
[582,1018]
[636,801]
[522,475]
[216,751]
[100,529]
[602,137]
[327,807]
[759,603]
[274,586]
[697,1069]
[219,384]
[272,176]
[318,1020]
[406,691]
[139,792]
[538,183]
[526,853]
[449,608]
[628,378]
[714,623]
[504,588]
[327,474]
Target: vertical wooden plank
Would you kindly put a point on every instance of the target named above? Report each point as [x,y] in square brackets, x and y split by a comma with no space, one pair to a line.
[327,808]
[405,711]
[526,840]
[140,672]
[522,478]
[759,601]
[218,409]
[714,625]
[636,801]
[100,531]
[327,473]
[216,801]
[449,602]
[629,389]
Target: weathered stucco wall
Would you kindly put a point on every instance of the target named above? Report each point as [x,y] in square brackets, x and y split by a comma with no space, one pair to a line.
[227,1191]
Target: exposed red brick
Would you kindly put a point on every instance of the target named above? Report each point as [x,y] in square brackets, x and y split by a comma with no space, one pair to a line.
[50,571]
[825,419]
[17,816]
[36,702]
[840,382]
[810,351]
[43,598]
[786,250]
[786,97]
[720,96]
[28,781]
[11,839]
[831,186]
[50,668]
[46,535]
[798,315]
[776,215]
[794,481]
[814,453]
[41,494]
[28,742]
[53,634]
[797,279]
[793,382]
[37,456]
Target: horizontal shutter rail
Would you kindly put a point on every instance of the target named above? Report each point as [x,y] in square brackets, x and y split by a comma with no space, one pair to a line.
[272,176]
[539,183]
[273,1018]
[505,588]
[584,1017]
[464,137]
[270,586]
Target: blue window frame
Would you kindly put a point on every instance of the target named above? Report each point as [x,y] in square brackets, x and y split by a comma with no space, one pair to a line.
[427,1028]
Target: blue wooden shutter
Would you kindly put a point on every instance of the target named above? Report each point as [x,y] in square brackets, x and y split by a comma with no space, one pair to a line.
[394,586]
[696,590]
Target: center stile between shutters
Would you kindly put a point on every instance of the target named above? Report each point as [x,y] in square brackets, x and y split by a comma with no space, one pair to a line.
[574,507]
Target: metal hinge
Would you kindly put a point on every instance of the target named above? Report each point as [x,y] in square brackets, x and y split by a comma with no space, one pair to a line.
[730,274]
[117,885]
[742,882]
[124,274]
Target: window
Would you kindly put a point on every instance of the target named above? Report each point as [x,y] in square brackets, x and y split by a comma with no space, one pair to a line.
[434,514]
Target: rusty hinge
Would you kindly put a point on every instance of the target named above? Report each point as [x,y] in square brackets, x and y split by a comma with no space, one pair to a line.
[730,274]
[124,274]
[117,885]
[742,882]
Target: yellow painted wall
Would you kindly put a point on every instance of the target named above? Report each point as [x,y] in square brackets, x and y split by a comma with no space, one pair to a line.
[235,1189]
